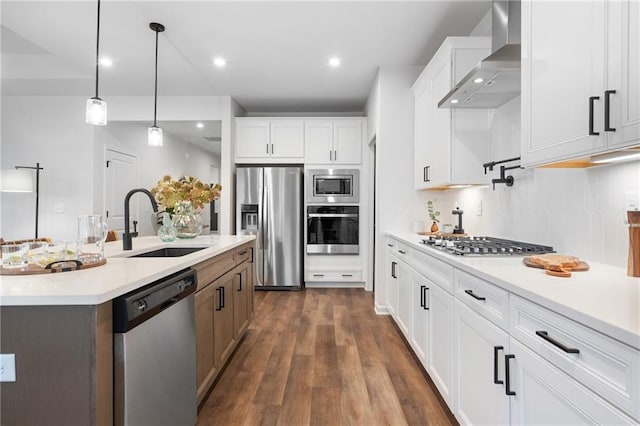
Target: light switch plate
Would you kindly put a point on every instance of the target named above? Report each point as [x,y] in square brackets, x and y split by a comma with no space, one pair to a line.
[58,207]
[7,367]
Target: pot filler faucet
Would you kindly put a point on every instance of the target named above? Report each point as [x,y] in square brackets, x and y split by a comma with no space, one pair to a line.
[126,236]
[458,229]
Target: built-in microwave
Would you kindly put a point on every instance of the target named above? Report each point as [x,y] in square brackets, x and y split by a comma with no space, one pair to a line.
[333,185]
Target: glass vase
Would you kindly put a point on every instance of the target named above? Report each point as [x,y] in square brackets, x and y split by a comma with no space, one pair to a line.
[186,220]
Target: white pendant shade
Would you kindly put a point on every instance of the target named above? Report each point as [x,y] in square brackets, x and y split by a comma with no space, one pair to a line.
[96,112]
[154,134]
[12,180]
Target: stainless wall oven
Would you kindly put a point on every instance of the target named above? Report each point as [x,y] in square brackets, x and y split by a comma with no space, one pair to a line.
[333,229]
[333,186]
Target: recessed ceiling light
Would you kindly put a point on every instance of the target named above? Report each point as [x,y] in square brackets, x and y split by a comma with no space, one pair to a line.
[106,62]
[454,101]
[334,62]
[220,62]
[199,125]
[478,80]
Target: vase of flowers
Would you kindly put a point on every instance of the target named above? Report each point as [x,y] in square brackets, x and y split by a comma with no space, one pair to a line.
[185,199]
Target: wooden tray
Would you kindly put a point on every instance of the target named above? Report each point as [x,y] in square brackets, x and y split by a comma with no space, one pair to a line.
[60,266]
[581,267]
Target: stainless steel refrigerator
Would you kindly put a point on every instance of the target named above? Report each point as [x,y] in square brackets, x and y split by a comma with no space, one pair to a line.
[269,205]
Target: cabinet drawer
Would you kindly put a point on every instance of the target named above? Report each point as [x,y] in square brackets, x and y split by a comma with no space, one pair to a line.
[210,270]
[437,271]
[343,275]
[391,243]
[608,367]
[243,253]
[483,297]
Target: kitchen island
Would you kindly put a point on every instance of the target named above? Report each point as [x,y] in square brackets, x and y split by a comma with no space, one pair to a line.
[59,326]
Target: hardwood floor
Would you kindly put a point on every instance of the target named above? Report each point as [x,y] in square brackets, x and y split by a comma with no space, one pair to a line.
[322,357]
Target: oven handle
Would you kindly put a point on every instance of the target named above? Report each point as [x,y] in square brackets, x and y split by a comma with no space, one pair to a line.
[331,215]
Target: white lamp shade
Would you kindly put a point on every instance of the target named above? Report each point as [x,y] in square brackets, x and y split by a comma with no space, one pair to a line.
[12,180]
[96,112]
[154,135]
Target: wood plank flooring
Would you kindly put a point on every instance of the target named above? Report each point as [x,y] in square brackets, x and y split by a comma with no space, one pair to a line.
[322,357]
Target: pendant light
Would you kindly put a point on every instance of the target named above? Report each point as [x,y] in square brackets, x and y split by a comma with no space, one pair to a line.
[97,108]
[154,133]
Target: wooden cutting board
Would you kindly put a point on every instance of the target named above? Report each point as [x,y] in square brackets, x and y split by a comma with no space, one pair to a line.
[580,267]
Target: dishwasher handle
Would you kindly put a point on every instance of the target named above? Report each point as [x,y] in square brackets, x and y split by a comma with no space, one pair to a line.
[137,306]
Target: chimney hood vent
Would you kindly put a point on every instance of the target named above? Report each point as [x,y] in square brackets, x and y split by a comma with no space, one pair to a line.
[496,79]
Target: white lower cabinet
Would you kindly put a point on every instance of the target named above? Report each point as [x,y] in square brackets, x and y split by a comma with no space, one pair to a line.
[420,316]
[543,394]
[480,385]
[391,267]
[440,340]
[403,317]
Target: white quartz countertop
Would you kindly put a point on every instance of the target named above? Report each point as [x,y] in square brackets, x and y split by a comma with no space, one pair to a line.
[604,298]
[118,276]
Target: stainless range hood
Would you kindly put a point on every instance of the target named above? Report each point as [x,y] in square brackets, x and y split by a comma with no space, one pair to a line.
[496,79]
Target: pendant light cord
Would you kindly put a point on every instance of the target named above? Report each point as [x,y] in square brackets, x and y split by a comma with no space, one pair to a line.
[155,96]
[97,48]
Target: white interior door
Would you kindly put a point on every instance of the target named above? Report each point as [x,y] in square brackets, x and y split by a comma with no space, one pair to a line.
[120,177]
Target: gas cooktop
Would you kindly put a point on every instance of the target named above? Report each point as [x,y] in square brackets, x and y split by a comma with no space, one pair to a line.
[484,246]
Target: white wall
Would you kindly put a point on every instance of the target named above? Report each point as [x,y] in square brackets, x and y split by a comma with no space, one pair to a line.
[391,113]
[52,131]
[72,155]
[176,158]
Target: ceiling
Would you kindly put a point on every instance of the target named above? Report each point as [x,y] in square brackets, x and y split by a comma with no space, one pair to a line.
[277,52]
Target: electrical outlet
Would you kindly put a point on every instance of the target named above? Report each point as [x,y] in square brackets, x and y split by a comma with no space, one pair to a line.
[631,201]
[7,367]
[58,207]
[479,208]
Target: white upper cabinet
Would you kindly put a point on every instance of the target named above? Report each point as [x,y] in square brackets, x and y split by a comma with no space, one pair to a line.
[263,141]
[338,141]
[450,145]
[580,79]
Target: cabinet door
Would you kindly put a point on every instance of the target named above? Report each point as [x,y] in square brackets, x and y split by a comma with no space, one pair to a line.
[479,345]
[240,292]
[420,154]
[253,139]
[318,140]
[623,72]
[223,318]
[347,142]
[546,395]
[440,340]
[287,139]
[403,317]
[439,122]
[392,284]
[420,287]
[205,362]
[562,67]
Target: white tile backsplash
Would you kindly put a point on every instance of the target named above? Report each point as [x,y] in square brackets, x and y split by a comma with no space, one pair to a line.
[577,211]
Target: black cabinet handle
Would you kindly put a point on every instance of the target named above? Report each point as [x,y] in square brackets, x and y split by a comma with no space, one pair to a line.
[592,100]
[470,293]
[318,275]
[251,258]
[424,292]
[393,269]
[607,111]
[507,376]
[219,291]
[389,245]
[267,148]
[240,285]
[347,275]
[272,149]
[402,252]
[557,344]
[422,301]
[242,253]
[222,294]
[496,349]
[425,173]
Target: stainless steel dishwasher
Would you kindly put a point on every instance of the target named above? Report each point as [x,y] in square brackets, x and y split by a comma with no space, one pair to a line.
[155,353]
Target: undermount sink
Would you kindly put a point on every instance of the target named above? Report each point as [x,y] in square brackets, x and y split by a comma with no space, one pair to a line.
[169,252]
